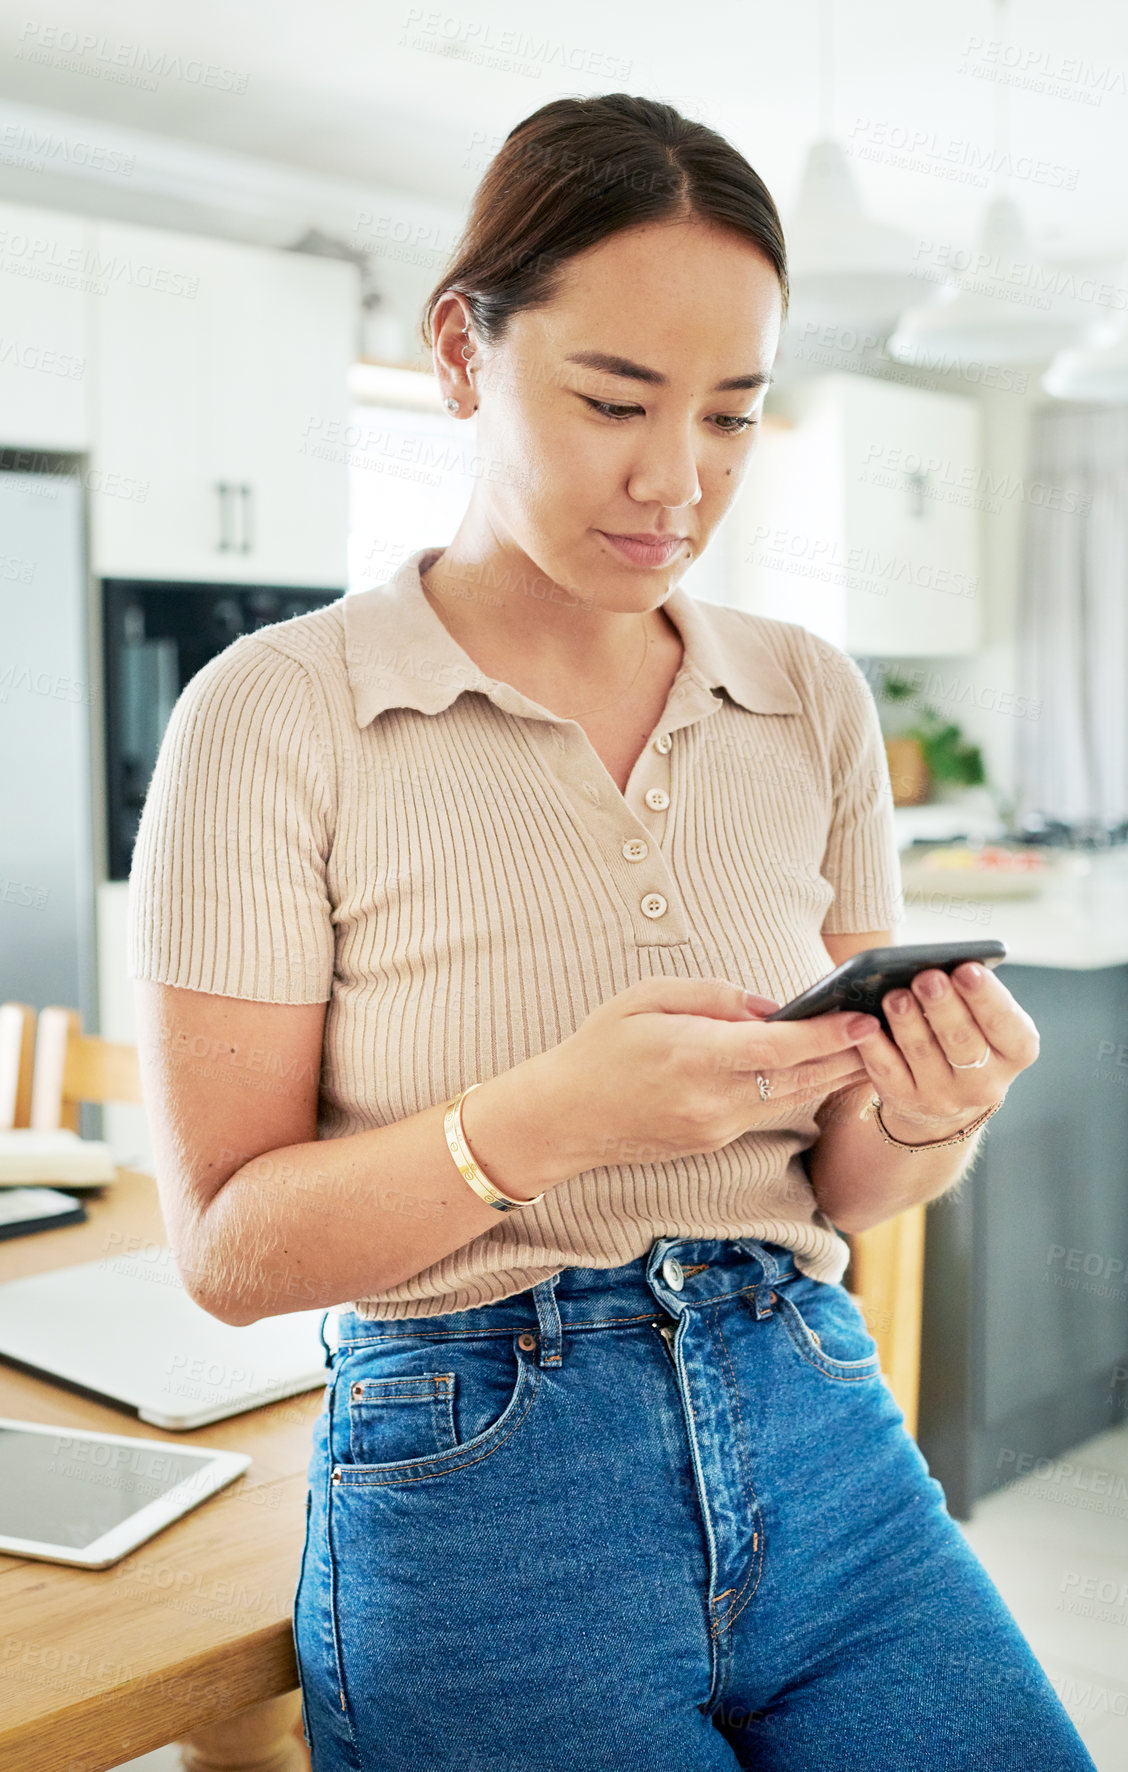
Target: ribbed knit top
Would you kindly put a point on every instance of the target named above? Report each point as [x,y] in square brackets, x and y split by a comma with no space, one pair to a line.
[346,809]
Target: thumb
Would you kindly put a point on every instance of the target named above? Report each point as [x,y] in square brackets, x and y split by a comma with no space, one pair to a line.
[716,997]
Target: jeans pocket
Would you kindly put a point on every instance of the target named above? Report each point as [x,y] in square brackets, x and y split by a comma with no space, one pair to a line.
[828,1330]
[406,1410]
[400,1417]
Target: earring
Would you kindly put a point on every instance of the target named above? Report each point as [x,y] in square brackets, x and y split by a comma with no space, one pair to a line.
[451,403]
[467,352]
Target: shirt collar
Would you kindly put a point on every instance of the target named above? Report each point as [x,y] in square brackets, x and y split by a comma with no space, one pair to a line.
[399,654]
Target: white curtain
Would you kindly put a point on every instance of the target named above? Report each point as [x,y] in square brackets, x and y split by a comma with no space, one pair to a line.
[1072,743]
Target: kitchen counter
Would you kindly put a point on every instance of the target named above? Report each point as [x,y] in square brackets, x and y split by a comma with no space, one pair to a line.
[1024,1343]
[1079,920]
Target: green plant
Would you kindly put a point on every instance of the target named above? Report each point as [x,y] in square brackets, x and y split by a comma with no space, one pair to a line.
[948,755]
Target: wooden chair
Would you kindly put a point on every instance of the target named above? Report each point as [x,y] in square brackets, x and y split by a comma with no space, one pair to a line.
[72,1067]
[17,1055]
[886,1280]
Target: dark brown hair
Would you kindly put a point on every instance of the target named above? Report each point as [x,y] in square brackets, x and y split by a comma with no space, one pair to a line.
[579,170]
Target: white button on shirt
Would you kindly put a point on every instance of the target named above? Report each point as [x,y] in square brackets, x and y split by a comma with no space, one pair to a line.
[657,799]
[654,905]
[635,849]
[663,742]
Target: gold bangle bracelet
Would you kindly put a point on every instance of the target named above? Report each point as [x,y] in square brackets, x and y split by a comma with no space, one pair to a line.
[467,1167]
[874,1107]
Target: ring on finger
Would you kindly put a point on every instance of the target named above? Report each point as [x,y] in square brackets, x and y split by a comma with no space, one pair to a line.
[976,1063]
[764,1085]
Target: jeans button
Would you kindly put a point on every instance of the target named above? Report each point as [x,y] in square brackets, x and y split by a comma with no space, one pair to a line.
[527,1340]
[672,1273]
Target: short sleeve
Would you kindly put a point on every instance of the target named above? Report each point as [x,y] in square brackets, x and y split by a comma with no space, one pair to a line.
[227,886]
[861,859]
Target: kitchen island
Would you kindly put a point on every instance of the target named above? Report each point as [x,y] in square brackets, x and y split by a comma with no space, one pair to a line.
[1025,1330]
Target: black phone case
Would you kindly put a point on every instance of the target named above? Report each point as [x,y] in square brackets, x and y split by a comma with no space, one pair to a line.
[861,982]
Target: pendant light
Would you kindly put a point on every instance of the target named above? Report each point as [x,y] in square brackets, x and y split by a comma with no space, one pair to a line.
[1094,371]
[982,317]
[845,269]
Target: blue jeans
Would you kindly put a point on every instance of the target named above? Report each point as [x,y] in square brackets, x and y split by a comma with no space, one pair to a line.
[663,1517]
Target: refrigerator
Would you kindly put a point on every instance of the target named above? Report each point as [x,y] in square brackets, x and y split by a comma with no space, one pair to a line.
[49,719]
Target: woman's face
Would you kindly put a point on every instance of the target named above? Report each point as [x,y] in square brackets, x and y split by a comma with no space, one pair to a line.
[643,438]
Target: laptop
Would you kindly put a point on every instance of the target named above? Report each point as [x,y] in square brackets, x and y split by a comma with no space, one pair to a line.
[124,1331]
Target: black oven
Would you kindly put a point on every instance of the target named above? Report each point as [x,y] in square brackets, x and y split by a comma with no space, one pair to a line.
[156,636]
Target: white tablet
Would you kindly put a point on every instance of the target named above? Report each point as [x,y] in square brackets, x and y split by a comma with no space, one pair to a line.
[68,1495]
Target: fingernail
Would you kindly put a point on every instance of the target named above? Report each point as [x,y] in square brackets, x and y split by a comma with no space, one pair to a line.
[861,1024]
[752,1000]
[972,973]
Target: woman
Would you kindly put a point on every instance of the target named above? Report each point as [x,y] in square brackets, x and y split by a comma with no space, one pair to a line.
[480,863]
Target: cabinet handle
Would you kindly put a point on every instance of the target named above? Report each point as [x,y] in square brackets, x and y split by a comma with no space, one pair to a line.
[918,485]
[225,543]
[248,510]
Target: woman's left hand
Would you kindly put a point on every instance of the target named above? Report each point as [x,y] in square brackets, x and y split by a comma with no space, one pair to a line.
[942,1023]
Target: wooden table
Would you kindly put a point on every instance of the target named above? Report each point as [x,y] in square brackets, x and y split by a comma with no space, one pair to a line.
[188,1639]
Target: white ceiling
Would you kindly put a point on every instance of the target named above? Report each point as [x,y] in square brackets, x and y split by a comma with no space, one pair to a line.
[414,98]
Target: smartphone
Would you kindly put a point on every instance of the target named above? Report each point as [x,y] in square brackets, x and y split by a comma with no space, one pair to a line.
[861,982]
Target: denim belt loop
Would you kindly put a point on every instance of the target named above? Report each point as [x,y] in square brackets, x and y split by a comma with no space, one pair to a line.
[548,1318]
[763,1291]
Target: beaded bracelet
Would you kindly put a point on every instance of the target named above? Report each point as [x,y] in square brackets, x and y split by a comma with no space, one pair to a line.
[873,1106]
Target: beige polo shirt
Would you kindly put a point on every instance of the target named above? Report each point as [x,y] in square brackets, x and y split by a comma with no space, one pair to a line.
[345,809]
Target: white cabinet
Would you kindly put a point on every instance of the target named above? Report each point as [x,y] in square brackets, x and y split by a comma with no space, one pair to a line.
[859,517]
[153,504]
[45,372]
[221,414]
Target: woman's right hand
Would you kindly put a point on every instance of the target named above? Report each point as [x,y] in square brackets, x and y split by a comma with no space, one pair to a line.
[667,1068]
